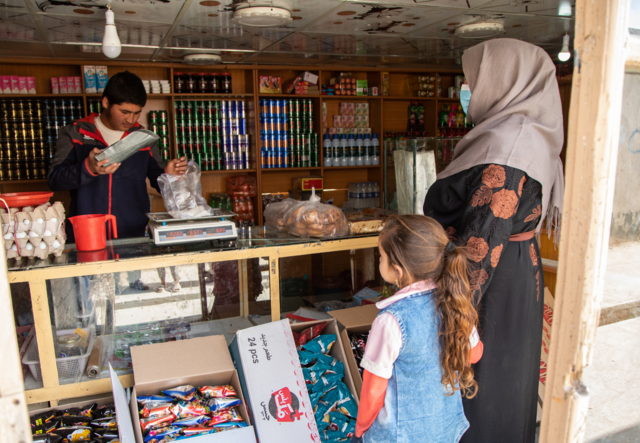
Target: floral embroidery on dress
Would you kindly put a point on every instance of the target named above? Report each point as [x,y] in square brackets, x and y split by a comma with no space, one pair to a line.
[522,180]
[504,203]
[494,176]
[537,212]
[481,197]
[478,278]
[532,253]
[477,248]
[495,255]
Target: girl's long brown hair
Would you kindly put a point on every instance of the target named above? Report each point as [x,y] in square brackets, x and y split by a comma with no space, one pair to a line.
[417,245]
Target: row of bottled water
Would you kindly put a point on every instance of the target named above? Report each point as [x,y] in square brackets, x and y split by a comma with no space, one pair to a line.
[364,195]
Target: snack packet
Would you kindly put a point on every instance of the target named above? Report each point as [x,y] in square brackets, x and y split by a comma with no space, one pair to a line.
[155,409]
[312,332]
[148,424]
[198,430]
[162,433]
[217,391]
[192,421]
[325,383]
[321,344]
[220,404]
[185,409]
[144,399]
[185,392]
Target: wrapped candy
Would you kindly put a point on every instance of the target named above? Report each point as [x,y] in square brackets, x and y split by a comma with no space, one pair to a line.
[144,399]
[192,421]
[148,424]
[325,383]
[217,391]
[186,409]
[185,392]
[162,433]
[155,409]
[220,404]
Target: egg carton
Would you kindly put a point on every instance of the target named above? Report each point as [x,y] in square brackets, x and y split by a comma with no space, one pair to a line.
[34,231]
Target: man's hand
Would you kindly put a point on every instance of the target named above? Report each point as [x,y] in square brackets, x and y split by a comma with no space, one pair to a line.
[97,167]
[177,166]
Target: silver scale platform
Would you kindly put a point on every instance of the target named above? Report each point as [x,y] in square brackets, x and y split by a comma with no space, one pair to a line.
[166,230]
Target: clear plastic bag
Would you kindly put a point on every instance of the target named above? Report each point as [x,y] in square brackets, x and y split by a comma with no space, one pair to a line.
[314,219]
[182,194]
[274,213]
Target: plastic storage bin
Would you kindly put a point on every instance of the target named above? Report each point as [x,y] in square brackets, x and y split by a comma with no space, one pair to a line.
[68,367]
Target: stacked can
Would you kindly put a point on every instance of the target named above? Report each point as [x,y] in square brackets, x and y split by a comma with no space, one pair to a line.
[158,123]
[29,134]
[286,134]
[213,133]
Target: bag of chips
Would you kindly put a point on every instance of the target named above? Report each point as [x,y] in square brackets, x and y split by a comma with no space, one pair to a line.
[321,344]
[185,392]
[217,391]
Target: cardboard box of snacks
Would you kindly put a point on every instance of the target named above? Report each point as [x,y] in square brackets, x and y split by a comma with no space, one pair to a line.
[203,361]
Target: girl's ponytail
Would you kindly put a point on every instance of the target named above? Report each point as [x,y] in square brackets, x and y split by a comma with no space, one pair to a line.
[458,317]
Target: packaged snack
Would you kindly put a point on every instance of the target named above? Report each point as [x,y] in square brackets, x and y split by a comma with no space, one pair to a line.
[217,391]
[185,392]
[144,399]
[148,424]
[274,213]
[310,333]
[241,185]
[105,423]
[162,433]
[307,358]
[185,409]
[321,344]
[231,425]
[313,374]
[338,399]
[155,409]
[107,435]
[325,383]
[314,219]
[192,421]
[220,417]
[75,433]
[330,436]
[41,419]
[46,438]
[220,404]
[197,430]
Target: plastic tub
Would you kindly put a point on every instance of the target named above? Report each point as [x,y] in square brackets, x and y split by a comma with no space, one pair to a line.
[68,367]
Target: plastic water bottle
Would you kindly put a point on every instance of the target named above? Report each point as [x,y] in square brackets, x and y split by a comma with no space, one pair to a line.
[368,153]
[328,150]
[351,148]
[337,150]
[375,144]
[360,149]
[376,195]
[362,195]
[351,195]
[344,160]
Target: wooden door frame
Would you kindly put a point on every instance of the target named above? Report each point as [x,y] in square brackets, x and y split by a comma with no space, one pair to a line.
[602,45]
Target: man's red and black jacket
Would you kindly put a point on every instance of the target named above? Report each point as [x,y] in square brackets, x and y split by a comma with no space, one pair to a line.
[123,193]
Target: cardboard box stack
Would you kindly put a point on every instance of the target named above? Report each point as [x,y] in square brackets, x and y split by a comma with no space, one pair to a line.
[352,119]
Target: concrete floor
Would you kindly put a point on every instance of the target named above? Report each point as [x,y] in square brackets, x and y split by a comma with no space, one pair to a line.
[612,377]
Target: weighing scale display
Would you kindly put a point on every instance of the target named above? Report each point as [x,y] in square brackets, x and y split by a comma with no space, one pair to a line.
[167,234]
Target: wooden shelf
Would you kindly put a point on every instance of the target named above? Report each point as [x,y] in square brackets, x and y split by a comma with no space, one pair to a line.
[186,96]
[17,182]
[289,96]
[408,98]
[41,95]
[288,169]
[343,168]
[229,171]
[351,97]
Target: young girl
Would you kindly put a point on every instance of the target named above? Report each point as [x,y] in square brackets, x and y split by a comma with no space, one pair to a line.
[417,362]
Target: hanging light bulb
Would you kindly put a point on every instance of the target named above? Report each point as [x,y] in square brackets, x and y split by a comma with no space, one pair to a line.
[564,53]
[110,42]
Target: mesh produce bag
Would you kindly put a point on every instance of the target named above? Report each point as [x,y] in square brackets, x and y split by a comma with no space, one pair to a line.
[314,219]
[182,194]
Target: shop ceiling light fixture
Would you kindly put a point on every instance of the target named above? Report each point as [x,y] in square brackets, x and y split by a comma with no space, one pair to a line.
[262,13]
[479,30]
[202,59]
[110,42]
[564,53]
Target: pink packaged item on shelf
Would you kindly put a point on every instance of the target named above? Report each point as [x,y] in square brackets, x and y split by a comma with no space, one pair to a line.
[55,87]
[351,107]
[343,108]
[6,84]
[77,81]
[22,85]
[15,84]
[62,84]
[31,85]
[71,85]
[337,121]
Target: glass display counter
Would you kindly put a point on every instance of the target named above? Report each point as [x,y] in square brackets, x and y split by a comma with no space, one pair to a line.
[90,308]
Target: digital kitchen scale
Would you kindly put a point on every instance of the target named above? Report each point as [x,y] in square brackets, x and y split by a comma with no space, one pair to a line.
[166,230]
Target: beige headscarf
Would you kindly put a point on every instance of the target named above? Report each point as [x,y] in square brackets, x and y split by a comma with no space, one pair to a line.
[515,105]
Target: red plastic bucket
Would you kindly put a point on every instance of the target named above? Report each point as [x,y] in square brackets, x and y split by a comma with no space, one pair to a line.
[90,232]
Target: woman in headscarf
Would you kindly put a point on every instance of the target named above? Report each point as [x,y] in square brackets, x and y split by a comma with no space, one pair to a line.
[505,177]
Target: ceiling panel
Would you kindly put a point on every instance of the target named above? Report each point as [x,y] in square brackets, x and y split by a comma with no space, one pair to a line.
[217,14]
[95,53]
[368,19]
[17,24]
[83,29]
[162,12]
[416,4]
[278,58]
[557,8]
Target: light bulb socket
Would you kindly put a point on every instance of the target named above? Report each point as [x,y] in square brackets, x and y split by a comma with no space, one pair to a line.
[110,16]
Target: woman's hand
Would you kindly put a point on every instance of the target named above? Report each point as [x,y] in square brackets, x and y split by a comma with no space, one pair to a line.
[177,166]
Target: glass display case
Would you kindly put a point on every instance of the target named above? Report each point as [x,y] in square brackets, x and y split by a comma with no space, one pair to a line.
[90,309]
[405,184]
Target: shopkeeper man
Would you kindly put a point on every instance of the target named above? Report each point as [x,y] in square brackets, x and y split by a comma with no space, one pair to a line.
[119,189]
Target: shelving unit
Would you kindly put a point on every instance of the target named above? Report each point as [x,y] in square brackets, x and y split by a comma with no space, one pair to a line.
[386,114]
